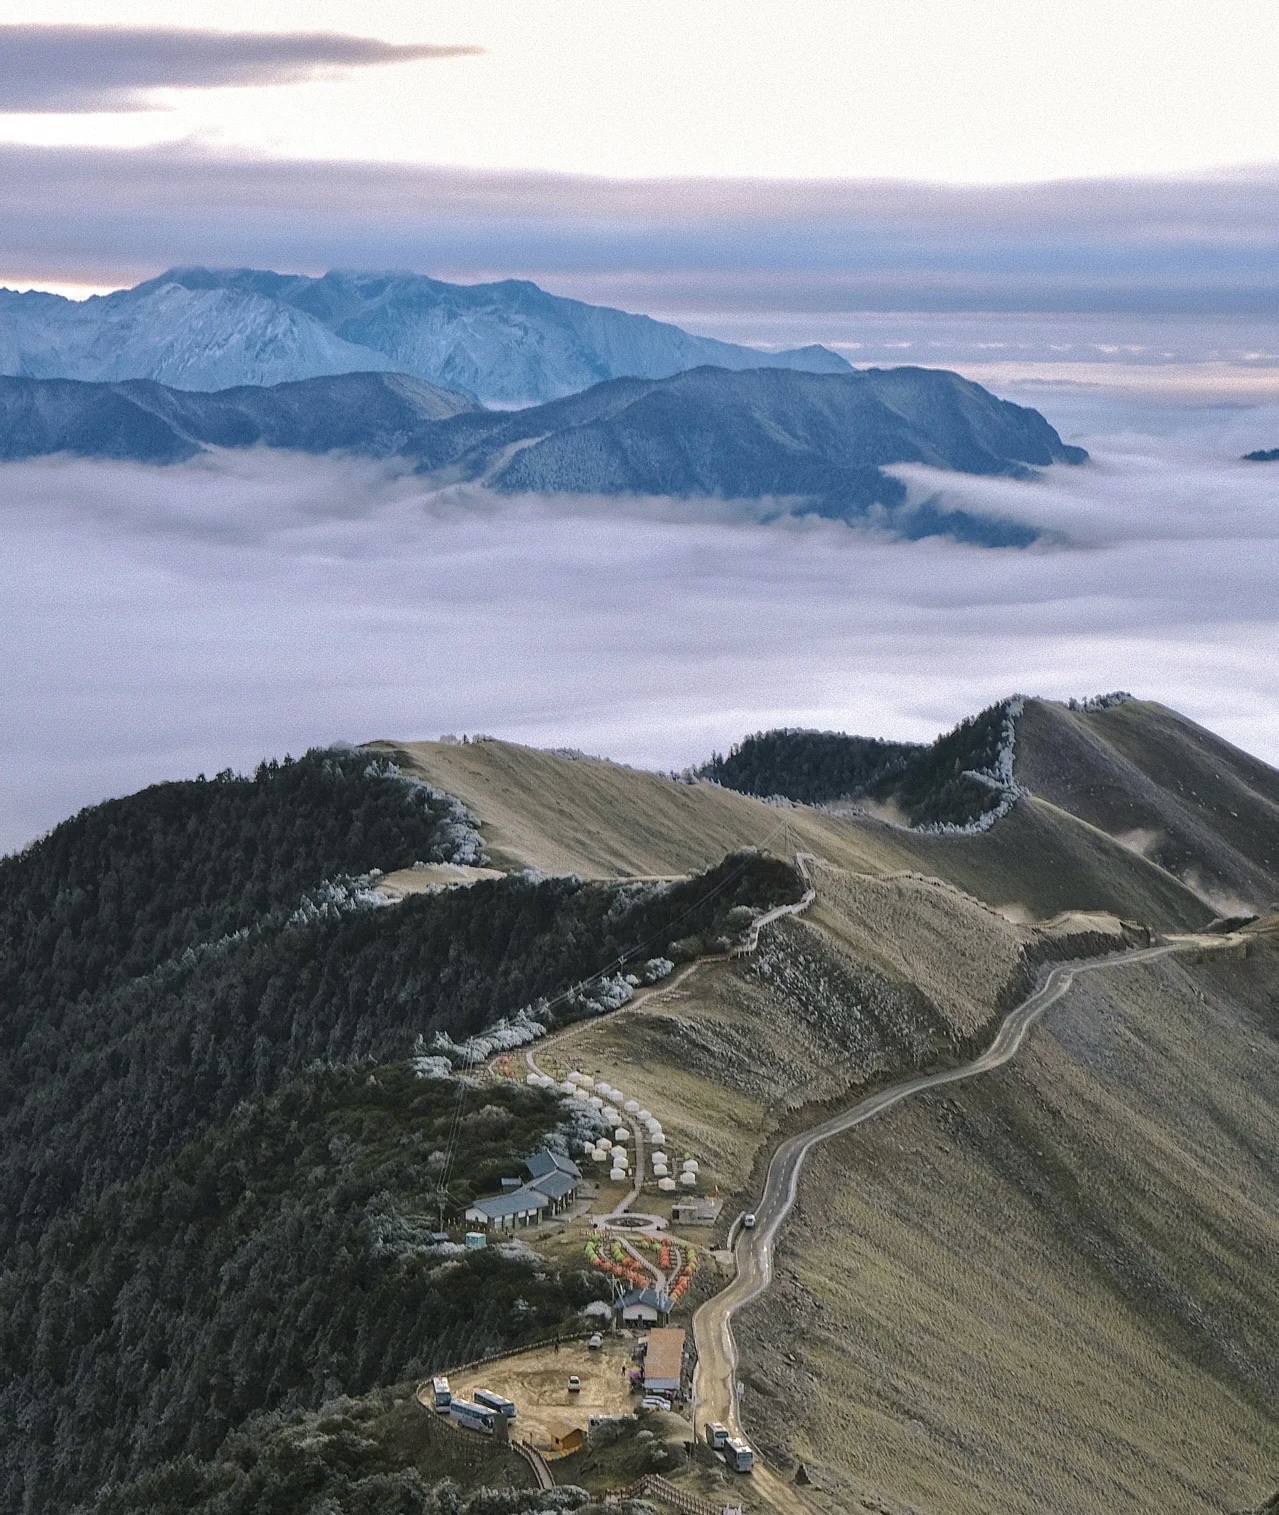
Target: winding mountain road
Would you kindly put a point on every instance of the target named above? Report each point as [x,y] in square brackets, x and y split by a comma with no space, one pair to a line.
[715,1383]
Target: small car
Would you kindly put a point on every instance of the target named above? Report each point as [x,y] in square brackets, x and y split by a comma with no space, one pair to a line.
[748,1220]
[574,1384]
[596,1342]
[654,1402]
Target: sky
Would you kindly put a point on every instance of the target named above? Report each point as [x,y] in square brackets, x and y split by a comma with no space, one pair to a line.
[1075,204]
[683,157]
[960,91]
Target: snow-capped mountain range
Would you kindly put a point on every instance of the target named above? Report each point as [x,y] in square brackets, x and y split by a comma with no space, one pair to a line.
[506,344]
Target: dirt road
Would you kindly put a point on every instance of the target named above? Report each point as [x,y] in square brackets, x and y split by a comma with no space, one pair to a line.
[715,1386]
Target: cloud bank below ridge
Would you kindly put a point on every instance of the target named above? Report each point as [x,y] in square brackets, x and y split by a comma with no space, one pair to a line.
[167,621]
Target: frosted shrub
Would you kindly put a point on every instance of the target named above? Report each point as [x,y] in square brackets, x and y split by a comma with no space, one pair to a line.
[601,995]
[502,1036]
[581,1124]
[432,1067]
[1098,702]
[337,897]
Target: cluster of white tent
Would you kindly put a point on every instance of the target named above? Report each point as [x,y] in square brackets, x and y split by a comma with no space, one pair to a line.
[619,1111]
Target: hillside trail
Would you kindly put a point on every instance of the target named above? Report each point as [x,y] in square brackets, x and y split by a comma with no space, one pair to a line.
[715,1381]
[647,997]
[748,945]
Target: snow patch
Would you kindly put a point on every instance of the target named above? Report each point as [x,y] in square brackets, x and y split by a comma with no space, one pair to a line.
[998,777]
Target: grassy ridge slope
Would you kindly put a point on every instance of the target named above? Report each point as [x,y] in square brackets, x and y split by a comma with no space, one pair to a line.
[601,820]
[1200,808]
[1052,1288]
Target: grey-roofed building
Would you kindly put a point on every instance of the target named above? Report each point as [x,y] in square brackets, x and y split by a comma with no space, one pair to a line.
[558,1187]
[522,1207]
[544,1162]
[701,1211]
[644,1307]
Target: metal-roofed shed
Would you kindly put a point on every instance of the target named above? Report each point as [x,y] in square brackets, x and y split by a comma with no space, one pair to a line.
[664,1361]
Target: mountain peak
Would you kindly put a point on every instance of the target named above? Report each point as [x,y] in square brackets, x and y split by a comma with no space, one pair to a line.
[508,342]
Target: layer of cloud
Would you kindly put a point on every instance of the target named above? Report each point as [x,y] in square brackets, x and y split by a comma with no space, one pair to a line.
[1208,244]
[52,68]
[163,622]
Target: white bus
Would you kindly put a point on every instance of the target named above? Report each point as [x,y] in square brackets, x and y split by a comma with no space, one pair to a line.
[739,1456]
[473,1417]
[495,1402]
[441,1392]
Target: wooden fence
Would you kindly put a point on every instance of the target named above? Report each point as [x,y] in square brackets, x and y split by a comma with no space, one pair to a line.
[671,1494]
[541,1468]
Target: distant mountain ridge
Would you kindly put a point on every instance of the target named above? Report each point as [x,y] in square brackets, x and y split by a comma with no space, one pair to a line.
[504,343]
[793,442]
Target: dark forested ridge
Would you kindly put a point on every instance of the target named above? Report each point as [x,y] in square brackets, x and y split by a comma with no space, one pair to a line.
[98,1087]
[954,781]
[125,885]
[283,1260]
[215,1169]
[812,767]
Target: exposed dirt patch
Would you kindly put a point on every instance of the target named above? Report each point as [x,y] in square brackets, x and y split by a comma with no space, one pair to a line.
[538,1383]
[427,876]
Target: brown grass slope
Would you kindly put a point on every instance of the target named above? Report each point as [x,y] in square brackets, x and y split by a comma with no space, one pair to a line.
[1198,807]
[1052,1288]
[881,977]
[1040,860]
[602,820]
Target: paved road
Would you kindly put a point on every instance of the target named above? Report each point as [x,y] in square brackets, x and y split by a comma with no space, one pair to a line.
[715,1379]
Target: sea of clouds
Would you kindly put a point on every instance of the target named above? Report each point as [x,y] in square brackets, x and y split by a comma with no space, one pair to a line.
[162,622]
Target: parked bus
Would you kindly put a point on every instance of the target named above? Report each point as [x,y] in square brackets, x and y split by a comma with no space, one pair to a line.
[473,1417]
[738,1455]
[495,1402]
[441,1392]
